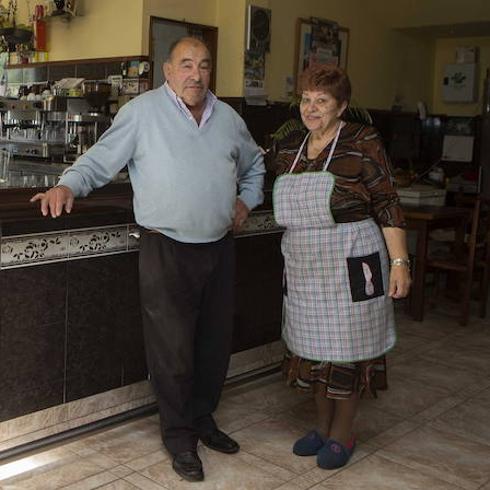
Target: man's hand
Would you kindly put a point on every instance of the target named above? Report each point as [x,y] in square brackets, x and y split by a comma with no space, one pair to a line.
[54,200]
[241,214]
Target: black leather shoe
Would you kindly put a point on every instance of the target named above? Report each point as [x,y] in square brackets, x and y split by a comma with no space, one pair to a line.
[188,465]
[219,441]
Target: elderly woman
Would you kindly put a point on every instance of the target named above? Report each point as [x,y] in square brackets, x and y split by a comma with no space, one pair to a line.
[335,197]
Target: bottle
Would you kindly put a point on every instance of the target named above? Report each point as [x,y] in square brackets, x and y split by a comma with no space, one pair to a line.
[486,94]
[39,29]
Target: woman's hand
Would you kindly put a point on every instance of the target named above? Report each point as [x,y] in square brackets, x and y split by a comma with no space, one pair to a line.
[399,281]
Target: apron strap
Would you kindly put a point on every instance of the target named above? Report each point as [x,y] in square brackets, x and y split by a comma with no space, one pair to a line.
[330,154]
[332,148]
[293,166]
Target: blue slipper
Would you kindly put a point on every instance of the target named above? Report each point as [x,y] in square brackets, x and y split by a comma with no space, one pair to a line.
[335,455]
[309,444]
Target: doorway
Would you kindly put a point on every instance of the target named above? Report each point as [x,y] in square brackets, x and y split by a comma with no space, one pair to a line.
[164,32]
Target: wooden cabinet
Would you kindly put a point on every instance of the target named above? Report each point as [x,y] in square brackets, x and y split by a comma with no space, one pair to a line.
[72,328]
[258,291]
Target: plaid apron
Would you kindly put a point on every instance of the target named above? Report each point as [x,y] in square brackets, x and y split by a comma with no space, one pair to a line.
[336,304]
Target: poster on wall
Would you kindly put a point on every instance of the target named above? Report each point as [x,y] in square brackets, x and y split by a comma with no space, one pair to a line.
[324,43]
[320,42]
[254,89]
[258,43]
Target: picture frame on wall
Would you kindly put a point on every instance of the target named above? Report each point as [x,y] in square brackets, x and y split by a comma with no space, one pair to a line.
[344,47]
[306,53]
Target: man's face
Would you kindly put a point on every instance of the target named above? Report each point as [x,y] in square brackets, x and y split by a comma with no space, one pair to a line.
[188,72]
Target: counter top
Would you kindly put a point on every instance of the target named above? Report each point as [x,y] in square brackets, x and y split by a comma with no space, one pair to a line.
[29,174]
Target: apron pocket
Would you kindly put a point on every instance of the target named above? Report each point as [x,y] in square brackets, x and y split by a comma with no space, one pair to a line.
[365,277]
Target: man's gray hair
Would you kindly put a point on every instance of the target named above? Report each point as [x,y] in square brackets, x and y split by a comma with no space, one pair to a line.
[190,39]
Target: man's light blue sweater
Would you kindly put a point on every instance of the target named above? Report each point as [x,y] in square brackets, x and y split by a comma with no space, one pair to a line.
[184,178]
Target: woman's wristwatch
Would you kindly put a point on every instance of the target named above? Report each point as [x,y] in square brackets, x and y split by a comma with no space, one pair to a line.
[400,261]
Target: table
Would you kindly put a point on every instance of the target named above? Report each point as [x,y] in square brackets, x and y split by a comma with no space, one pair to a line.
[423,219]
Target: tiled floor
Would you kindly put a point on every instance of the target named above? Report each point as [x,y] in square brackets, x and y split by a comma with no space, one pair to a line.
[430,430]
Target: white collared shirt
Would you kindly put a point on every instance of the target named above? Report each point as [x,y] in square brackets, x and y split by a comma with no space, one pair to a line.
[208,105]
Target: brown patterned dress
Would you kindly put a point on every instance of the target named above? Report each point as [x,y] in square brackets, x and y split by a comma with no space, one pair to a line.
[364,188]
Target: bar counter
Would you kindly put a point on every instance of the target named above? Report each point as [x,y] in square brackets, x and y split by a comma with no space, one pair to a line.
[71,342]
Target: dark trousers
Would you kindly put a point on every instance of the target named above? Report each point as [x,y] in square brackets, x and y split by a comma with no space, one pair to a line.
[187,301]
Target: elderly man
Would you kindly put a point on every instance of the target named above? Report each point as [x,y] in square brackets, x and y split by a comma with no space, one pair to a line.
[186,153]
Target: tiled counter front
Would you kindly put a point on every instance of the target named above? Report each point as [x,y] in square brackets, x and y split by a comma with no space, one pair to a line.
[70,325]
[71,343]
[42,248]
[59,246]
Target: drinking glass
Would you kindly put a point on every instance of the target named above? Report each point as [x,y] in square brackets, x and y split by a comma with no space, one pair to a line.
[4,166]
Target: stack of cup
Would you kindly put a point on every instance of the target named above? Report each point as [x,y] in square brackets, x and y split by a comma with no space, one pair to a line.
[4,166]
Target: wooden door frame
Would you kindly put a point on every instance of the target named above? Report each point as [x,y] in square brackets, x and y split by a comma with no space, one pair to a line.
[210,35]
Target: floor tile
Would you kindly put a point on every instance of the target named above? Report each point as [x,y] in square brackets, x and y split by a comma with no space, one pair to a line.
[35,463]
[269,396]
[479,337]
[469,419]
[143,483]
[484,396]
[233,415]
[138,464]
[457,460]
[273,469]
[429,430]
[407,343]
[427,372]
[121,471]
[126,442]
[316,474]
[119,485]
[460,356]
[59,477]
[406,397]
[92,482]
[437,409]
[432,328]
[272,440]
[370,421]
[222,471]
[375,472]
[394,433]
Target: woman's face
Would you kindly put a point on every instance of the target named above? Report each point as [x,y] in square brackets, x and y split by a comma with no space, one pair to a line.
[319,110]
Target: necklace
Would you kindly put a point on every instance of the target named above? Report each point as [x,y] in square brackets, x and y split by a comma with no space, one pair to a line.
[314,148]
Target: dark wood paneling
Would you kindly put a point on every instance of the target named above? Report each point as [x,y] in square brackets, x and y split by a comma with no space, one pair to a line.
[105,339]
[32,338]
[74,329]
[258,291]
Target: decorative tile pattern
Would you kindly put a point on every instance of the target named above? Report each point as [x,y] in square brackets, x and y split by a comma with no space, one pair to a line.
[88,242]
[260,223]
[41,248]
[36,249]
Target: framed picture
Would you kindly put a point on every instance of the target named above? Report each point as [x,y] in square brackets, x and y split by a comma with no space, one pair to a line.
[344,47]
[319,44]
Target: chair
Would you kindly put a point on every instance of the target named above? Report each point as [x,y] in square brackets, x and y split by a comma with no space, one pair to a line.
[467,257]
[483,262]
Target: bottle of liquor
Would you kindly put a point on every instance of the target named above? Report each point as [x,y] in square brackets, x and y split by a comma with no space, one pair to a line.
[39,29]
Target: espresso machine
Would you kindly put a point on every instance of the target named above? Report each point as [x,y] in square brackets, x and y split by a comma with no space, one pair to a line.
[56,129]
